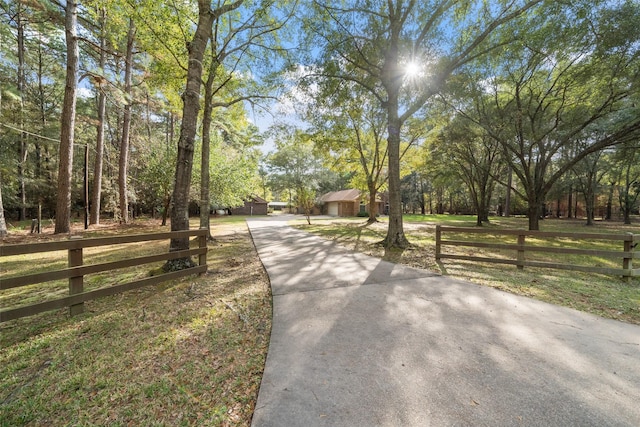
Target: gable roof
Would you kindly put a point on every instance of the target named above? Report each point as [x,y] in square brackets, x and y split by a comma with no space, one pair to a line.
[351,195]
[257,199]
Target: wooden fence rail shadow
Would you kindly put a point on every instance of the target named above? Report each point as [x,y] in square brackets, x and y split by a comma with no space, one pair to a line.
[77,270]
[626,253]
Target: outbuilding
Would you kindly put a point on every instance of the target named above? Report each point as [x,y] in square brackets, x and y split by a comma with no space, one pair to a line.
[253,205]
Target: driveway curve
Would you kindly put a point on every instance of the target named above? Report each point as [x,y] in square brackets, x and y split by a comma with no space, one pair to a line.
[357,341]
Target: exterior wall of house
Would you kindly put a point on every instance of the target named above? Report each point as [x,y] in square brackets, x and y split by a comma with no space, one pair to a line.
[349,208]
[341,208]
[347,203]
[250,208]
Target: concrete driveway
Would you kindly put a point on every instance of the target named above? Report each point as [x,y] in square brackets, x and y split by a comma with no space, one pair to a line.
[357,341]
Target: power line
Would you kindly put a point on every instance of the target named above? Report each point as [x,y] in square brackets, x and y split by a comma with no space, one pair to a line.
[75,144]
[30,133]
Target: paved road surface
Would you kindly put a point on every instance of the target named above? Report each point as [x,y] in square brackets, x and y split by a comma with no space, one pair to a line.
[357,341]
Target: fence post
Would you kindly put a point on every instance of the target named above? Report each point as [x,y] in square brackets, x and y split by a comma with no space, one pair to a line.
[202,243]
[438,238]
[520,257]
[627,260]
[76,283]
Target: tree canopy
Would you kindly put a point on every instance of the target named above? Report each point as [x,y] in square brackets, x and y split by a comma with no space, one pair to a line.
[445,105]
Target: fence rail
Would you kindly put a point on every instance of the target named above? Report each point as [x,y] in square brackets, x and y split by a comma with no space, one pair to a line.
[77,270]
[627,253]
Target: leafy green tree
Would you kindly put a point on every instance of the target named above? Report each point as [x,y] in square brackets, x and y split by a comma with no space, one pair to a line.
[251,34]
[589,172]
[155,179]
[403,53]
[132,63]
[153,94]
[628,178]
[32,82]
[232,164]
[263,174]
[351,129]
[306,200]
[436,168]
[475,158]
[188,127]
[233,177]
[294,164]
[125,141]
[563,87]
[94,217]
[412,191]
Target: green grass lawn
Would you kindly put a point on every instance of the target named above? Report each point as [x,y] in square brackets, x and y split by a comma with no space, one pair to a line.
[186,352]
[192,351]
[607,296]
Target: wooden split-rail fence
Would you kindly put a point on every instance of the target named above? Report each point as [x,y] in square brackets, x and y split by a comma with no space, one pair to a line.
[77,269]
[626,253]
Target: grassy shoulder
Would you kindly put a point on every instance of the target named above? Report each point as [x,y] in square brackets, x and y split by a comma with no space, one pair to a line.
[187,352]
[594,293]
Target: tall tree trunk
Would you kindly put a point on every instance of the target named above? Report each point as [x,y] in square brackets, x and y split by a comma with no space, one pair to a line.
[589,205]
[205,174]
[395,232]
[373,206]
[3,223]
[534,216]
[392,81]
[188,128]
[39,169]
[423,207]
[570,202]
[628,202]
[477,200]
[126,127]
[96,192]
[478,219]
[590,193]
[610,201]
[507,200]
[67,119]
[148,114]
[21,92]
[167,195]
[486,199]
[165,211]
[170,128]
[626,206]
[440,201]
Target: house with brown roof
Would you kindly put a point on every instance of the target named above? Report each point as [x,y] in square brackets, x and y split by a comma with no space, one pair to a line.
[341,203]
